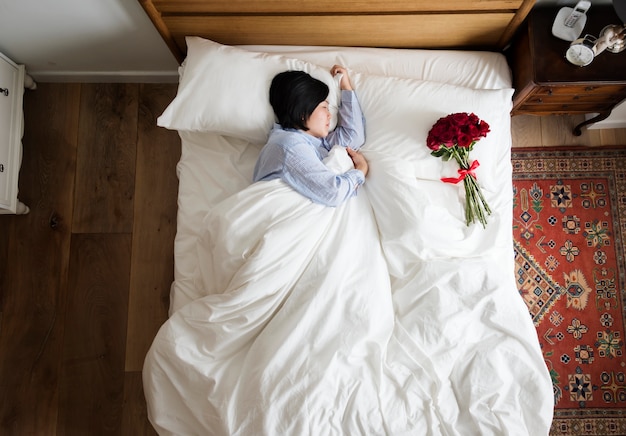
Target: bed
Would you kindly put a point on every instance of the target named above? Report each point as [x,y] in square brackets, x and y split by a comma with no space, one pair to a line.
[385,315]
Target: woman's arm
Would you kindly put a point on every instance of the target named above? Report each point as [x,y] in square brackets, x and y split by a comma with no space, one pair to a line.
[359,161]
[308,175]
[345,84]
[350,130]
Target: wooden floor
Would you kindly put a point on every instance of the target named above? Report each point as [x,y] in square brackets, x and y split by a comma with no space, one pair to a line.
[84,278]
[531,131]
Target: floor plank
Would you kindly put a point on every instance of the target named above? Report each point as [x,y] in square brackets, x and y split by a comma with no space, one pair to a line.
[156,190]
[557,130]
[91,386]
[105,174]
[613,136]
[135,421]
[525,131]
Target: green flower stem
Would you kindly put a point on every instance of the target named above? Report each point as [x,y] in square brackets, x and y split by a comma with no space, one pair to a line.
[482,198]
[475,202]
[476,207]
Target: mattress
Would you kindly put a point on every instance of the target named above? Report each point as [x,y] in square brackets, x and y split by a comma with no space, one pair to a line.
[391,316]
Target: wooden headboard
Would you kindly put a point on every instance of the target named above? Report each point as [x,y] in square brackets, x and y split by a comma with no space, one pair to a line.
[475,24]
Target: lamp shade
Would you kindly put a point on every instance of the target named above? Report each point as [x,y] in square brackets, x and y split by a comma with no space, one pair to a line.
[620,9]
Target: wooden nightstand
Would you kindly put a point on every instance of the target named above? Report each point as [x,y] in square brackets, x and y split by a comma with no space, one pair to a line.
[546,83]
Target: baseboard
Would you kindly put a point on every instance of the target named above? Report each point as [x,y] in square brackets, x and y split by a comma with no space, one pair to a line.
[608,124]
[617,119]
[105,76]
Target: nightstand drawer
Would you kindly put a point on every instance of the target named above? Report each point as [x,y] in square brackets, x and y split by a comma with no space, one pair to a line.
[573,98]
[559,108]
[586,90]
[570,98]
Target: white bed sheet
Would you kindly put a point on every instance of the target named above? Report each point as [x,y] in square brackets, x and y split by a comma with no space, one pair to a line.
[448,346]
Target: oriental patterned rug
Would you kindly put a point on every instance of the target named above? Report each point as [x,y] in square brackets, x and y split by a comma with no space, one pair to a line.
[569,227]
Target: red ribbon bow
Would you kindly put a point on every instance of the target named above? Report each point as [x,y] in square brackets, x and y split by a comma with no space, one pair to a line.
[462,173]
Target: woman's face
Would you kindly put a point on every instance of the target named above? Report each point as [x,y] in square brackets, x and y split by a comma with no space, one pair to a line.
[319,121]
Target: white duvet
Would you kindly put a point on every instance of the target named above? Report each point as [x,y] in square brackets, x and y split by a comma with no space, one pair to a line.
[384,316]
[305,330]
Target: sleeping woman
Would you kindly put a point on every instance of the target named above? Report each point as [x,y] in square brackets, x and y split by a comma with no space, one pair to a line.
[300,140]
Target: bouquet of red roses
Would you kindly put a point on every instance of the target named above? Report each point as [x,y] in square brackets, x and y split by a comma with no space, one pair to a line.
[454,136]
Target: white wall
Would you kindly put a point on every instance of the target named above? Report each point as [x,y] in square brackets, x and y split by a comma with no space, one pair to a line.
[85,41]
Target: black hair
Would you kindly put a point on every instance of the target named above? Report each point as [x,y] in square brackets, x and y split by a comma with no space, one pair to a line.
[294,95]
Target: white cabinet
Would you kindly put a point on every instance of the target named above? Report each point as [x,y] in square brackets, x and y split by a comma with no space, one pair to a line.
[12,78]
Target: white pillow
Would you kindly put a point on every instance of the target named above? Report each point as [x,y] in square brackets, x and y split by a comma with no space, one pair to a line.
[471,69]
[224,89]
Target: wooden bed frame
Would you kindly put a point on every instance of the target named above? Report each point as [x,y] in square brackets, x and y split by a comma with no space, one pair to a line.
[451,24]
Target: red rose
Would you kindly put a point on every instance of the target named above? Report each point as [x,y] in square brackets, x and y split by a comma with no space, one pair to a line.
[465,140]
[484,128]
[460,118]
[473,130]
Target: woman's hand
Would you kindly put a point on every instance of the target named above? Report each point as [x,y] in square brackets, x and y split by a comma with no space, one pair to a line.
[359,161]
[345,83]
